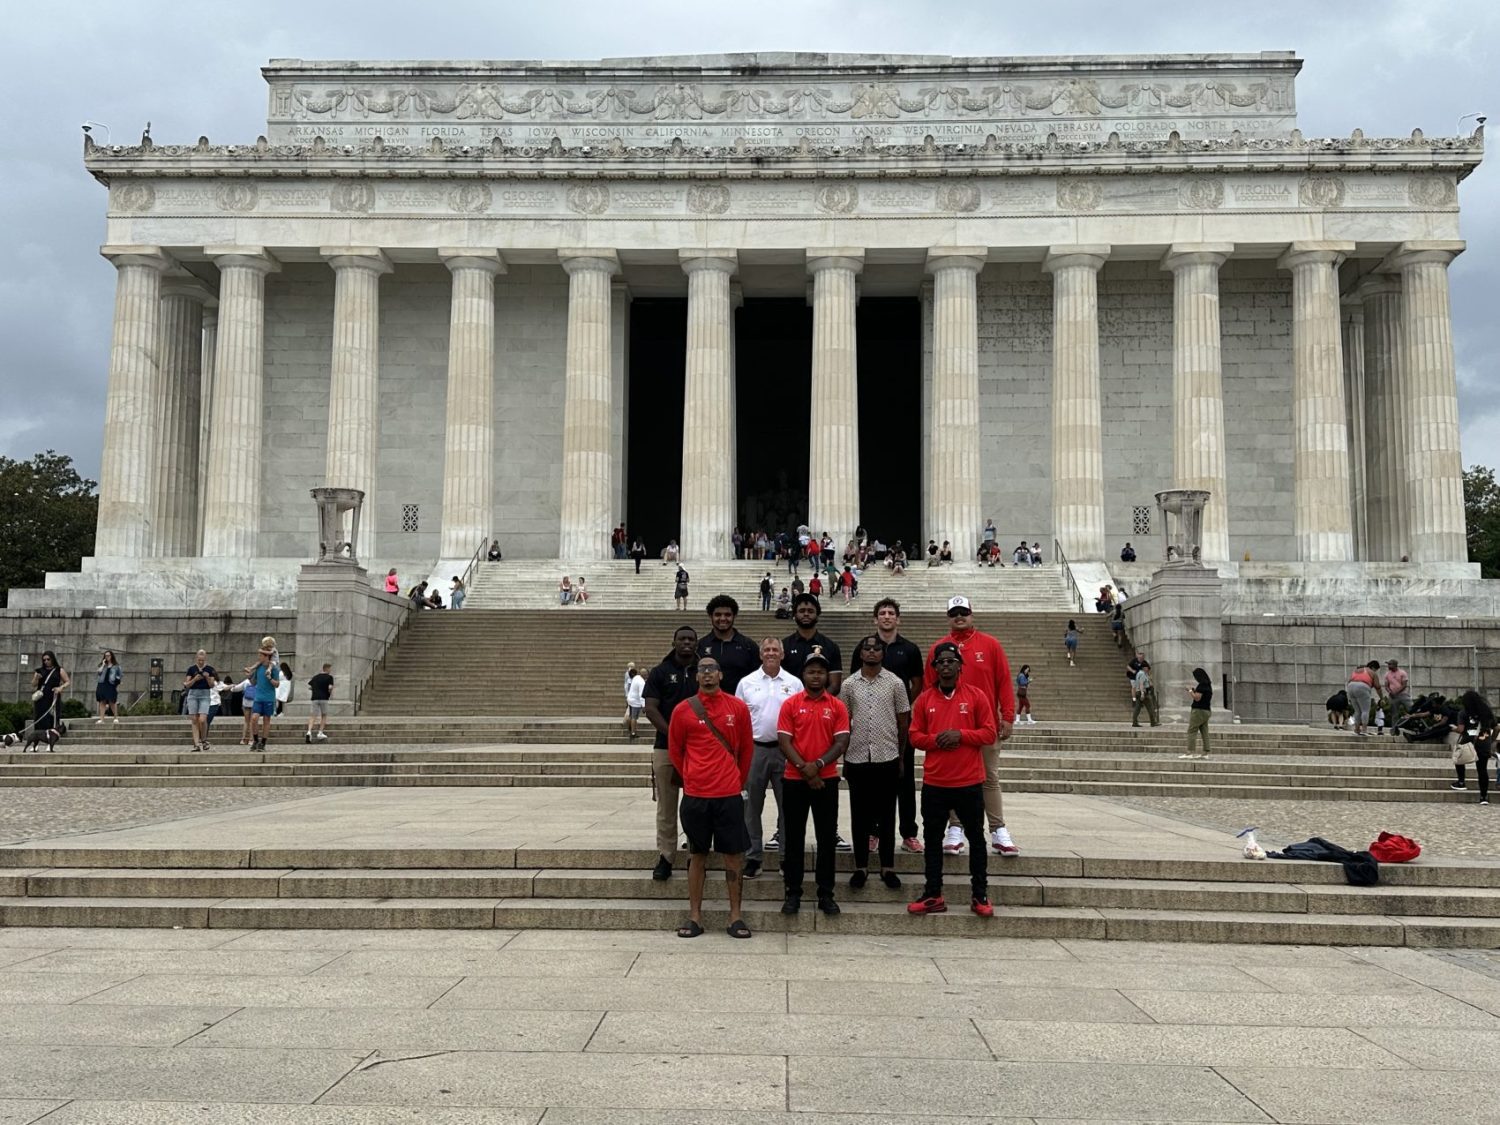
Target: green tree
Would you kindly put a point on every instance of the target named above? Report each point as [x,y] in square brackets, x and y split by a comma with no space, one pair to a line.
[1482,510]
[47,517]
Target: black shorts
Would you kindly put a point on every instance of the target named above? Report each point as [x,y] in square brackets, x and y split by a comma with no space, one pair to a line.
[715,824]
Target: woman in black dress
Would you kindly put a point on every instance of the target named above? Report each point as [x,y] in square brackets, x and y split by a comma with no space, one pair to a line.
[47,685]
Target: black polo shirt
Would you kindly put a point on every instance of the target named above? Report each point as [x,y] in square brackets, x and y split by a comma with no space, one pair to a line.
[796,650]
[902,658]
[737,657]
[669,683]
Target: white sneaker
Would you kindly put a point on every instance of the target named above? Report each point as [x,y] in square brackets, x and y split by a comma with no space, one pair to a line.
[953,840]
[320,737]
[1002,843]
[1030,720]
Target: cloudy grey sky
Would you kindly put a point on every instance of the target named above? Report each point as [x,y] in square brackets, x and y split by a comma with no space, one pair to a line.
[1386,66]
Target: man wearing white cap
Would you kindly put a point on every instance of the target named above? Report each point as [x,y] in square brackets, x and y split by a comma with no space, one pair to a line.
[985,668]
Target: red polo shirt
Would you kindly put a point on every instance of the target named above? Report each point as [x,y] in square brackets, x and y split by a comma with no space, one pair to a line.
[813,725]
[985,668]
[968,711]
[707,768]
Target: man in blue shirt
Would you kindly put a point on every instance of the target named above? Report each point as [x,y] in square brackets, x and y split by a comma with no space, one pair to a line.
[263,679]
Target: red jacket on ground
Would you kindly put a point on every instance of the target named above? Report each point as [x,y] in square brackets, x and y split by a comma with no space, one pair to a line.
[985,668]
[967,711]
[707,768]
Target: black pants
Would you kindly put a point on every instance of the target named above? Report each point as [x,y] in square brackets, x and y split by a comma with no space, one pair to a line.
[872,809]
[1483,751]
[906,791]
[968,803]
[802,798]
[637,564]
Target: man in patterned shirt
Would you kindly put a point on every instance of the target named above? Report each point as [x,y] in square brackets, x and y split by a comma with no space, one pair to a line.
[879,714]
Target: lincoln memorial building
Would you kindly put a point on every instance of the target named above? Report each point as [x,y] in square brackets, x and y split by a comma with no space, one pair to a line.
[535,300]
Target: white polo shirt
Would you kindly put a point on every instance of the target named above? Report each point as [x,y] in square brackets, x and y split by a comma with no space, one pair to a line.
[764,695]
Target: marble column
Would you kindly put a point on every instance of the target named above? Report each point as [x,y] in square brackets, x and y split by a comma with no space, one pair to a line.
[205,408]
[1434,463]
[231,502]
[708,499]
[1321,521]
[1077,413]
[469,432]
[353,449]
[132,421]
[1387,528]
[619,367]
[175,503]
[1353,324]
[925,297]
[588,514]
[1198,386]
[833,437]
[955,486]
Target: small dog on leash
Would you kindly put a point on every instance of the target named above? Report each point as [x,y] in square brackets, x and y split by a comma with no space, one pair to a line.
[31,741]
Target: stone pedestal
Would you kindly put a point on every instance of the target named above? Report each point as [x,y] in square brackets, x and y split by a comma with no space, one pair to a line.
[343,621]
[1177,623]
[1077,413]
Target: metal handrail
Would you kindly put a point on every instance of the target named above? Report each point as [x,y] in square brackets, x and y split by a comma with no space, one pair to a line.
[474,562]
[1057,553]
[385,651]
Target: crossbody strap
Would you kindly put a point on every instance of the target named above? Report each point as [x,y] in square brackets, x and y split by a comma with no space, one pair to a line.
[696,703]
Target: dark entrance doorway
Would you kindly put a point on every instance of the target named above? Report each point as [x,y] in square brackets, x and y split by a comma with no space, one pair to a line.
[773,368]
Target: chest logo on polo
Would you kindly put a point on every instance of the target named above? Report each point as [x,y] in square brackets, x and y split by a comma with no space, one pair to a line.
[963,708]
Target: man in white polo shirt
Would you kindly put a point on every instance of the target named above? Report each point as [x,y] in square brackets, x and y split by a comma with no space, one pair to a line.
[764,691]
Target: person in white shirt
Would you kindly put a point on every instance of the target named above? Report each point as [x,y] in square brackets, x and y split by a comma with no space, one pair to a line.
[764,691]
[635,700]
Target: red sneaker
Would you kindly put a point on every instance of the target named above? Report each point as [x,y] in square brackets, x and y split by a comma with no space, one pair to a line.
[931,904]
[912,844]
[982,907]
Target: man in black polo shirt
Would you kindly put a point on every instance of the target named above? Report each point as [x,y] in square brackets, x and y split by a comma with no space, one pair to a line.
[805,612]
[905,660]
[671,682]
[737,654]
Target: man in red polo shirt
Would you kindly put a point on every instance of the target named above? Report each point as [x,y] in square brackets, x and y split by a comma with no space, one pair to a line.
[952,724]
[985,668]
[710,743]
[813,732]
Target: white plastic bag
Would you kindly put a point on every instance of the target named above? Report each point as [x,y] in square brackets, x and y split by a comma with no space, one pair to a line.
[1252,850]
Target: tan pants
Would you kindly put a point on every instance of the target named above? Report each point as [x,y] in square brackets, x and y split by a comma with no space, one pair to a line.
[994,805]
[667,795]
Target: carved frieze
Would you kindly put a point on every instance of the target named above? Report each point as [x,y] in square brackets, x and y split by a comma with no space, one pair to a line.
[1079,195]
[837,198]
[708,199]
[959,196]
[1323,192]
[237,195]
[469,198]
[352,196]
[134,197]
[588,199]
[1432,191]
[1201,193]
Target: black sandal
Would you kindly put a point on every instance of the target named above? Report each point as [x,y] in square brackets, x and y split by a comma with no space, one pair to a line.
[738,929]
[689,929]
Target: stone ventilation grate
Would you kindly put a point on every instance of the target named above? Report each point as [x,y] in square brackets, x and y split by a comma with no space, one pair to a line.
[410,517]
[1140,519]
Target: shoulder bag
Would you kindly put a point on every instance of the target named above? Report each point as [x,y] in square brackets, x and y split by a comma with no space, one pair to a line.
[696,703]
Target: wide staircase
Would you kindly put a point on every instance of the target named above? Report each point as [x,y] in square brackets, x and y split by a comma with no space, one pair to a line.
[615,585]
[543,662]
[1062,895]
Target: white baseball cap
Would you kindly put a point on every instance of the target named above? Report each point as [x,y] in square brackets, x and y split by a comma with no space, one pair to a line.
[959,602]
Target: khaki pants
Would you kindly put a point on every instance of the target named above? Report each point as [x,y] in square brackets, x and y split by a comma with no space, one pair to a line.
[994,806]
[667,796]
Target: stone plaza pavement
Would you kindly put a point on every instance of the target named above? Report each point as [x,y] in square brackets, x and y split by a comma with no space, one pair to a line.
[503,1027]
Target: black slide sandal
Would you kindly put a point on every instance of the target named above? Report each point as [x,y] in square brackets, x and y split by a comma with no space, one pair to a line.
[689,929]
[738,929]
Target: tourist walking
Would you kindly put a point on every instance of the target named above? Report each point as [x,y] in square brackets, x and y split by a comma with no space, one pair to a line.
[904,659]
[1471,737]
[320,689]
[813,731]
[107,690]
[879,718]
[763,691]
[1070,641]
[1361,688]
[1201,692]
[953,724]
[708,743]
[1023,696]
[670,682]
[1143,695]
[48,683]
[635,700]
[284,688]
[736,654]
[264,676]
[457,593]
[767,589]
[984,667]
[637,552]
[680,589]
[1397,686]
[197,685]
